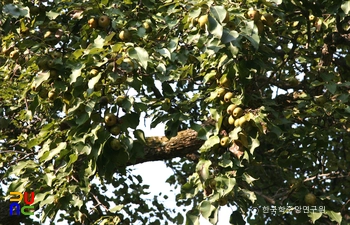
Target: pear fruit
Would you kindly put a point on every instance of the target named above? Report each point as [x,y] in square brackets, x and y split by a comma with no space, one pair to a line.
[124,35]
[43,93]
[310,199]
[50,63]
[52,95]
[120,100]
[220,92]
[115,144]
[92,23]
[104,100]
[104,21]
[53,25]
[147,26]
[230,109]
[203,20]
[225,141]
[110,119]
[115,130]
[241,121]
[237,112]
[231,120]
[42,64]
[228,96]
[254,15]
[224,82]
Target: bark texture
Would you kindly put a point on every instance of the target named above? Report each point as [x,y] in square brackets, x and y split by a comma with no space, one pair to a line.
[185,144]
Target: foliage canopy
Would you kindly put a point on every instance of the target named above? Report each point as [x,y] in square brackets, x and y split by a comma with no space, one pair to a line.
[263,84]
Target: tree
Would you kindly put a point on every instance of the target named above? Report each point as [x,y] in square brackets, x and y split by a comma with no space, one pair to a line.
[254,95]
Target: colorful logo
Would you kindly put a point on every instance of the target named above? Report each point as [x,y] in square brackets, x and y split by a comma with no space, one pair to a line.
[27,209]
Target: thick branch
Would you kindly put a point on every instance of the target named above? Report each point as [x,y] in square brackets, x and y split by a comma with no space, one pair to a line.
[161,148]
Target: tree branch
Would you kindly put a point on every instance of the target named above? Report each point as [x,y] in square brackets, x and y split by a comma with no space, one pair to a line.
[161,148]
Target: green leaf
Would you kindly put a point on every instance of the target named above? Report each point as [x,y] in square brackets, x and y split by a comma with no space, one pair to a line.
[206,208]
[93,81]
[116,208]
[192,217]
[249,195]
[236,218]
[140,136]
[334,216]
[48,201]
[255,144]
[250,31]
[346,7]
[219,12]
[314,216]
[18,185]
[140,55]
[208,144]
[332,87]
[249,179]
[48,178]
[40,78]
[215,28]
[48,155]
[16,10]
[202,169]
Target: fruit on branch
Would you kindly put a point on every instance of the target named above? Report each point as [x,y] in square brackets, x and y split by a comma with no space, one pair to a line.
[320,99]
[53,26]
[223,201]
[228,96]
[231,120]
[225,141]
[52,95]
[43,93]
[237,112]
[224,81]
[120,100]
[312,18]
[92,23]
[310,199]
[254,15]
[110,119]
[268,19]
[93,72]
[115,144]
[42,63]
[292,81]
[203,20]
[104,21]
[124,35]
[230,108]
[147,26]
[56,55]
[220,92]
[241,121]
[115,130]
[104,100]
[50,64]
